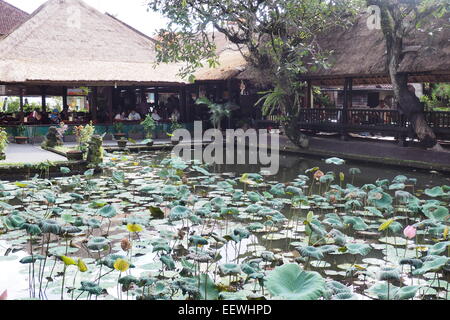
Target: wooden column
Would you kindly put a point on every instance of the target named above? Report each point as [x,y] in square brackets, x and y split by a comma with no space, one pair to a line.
[348,88]
[156,96]
[21,114]
[183,109]
[43,94]
[309,95]
[64,97]
[94,104]
[111,94]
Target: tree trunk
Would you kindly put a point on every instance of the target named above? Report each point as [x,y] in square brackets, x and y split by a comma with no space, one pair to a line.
[408,102]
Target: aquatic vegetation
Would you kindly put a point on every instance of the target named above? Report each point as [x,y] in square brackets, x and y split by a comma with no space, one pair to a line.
[156,227]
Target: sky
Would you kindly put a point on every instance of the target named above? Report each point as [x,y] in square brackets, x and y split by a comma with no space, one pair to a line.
[132,12]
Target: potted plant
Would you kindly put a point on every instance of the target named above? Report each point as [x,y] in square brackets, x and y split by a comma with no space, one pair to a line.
[173,127]
[83,135]
[118,128]
[122,143]
[149,125]
[3,143]
[218,111]
[20,138]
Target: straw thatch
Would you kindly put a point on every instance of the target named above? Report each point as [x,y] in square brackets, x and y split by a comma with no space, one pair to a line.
[360,53]
[10,17]
[67,41]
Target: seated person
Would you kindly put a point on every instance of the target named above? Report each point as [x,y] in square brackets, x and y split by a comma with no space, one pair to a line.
[134,116]
[175,117]
[120,116]
[55,117]
[155,115]
[35,116]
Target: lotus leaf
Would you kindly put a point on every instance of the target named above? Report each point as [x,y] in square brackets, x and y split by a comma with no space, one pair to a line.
[292,283]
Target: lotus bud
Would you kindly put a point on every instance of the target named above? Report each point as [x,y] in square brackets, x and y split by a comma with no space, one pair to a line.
[4,295]
[410,232]
[125,244]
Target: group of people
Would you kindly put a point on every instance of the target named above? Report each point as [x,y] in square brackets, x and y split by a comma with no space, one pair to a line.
[138,116]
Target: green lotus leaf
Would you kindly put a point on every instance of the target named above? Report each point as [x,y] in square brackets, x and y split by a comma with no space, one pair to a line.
[253,208]
[32,229]
[31,259]
[128,280]
[14,221]
[168,261]
[91,288]
[208,289]
[383,291]
[416,263]
[201,170]
[311,252]
[379,199]
[357,223]
[108,212]
[98,243]
[433,265]
[147,188]
[229,269]
[69,230]
[230,211]
[65,170]
[254,197]
[397,186]
[435,212]
[179,213]
[328,178]
[290,282]
[89,173]
[438,248]
[170,191]
[198,240]
[237,195]
[277,190]
[389,274]
[359,248]
[354,171]
[435,192]
[344,296]
[118,176]
[406,293]
[217,203]
[76,196]
[336,161]
[50,226]
[294,191]
[255,226]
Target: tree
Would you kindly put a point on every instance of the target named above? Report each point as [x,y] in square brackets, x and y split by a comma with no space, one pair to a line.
[399,19]
[274,36]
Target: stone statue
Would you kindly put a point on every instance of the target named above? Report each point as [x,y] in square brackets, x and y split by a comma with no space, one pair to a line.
[53,138]
[95,150]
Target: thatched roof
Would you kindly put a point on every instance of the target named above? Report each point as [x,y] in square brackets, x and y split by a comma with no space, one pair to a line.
[361,53]
[67,41]
[232,63]
[10,17]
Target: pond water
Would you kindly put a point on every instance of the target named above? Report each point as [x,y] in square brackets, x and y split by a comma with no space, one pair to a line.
[152,227]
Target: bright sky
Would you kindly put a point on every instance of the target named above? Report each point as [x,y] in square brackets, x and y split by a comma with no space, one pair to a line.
[132,12]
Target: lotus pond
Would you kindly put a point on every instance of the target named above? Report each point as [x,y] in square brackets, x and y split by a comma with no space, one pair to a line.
[158,228]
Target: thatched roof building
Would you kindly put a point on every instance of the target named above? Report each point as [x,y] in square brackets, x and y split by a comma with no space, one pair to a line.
[360,53]
[68,42]
[10,17]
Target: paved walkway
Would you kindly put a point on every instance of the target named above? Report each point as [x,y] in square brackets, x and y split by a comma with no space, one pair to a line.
[27,153]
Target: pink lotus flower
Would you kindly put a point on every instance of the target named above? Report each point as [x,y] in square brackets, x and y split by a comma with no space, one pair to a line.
[4,295]
[410,232]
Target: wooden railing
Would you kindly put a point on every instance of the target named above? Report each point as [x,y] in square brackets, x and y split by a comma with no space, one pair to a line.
[335,119]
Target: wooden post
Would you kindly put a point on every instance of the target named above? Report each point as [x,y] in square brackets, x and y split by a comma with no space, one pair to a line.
[64,97]
[21,114]
[309,95]
[111,94]
[344,117]
[156,97]
[183,111]
[43,94]
[94,104]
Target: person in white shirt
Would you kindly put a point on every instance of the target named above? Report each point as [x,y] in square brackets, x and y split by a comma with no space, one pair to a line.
[120,116]
[155,115]
[134,116]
